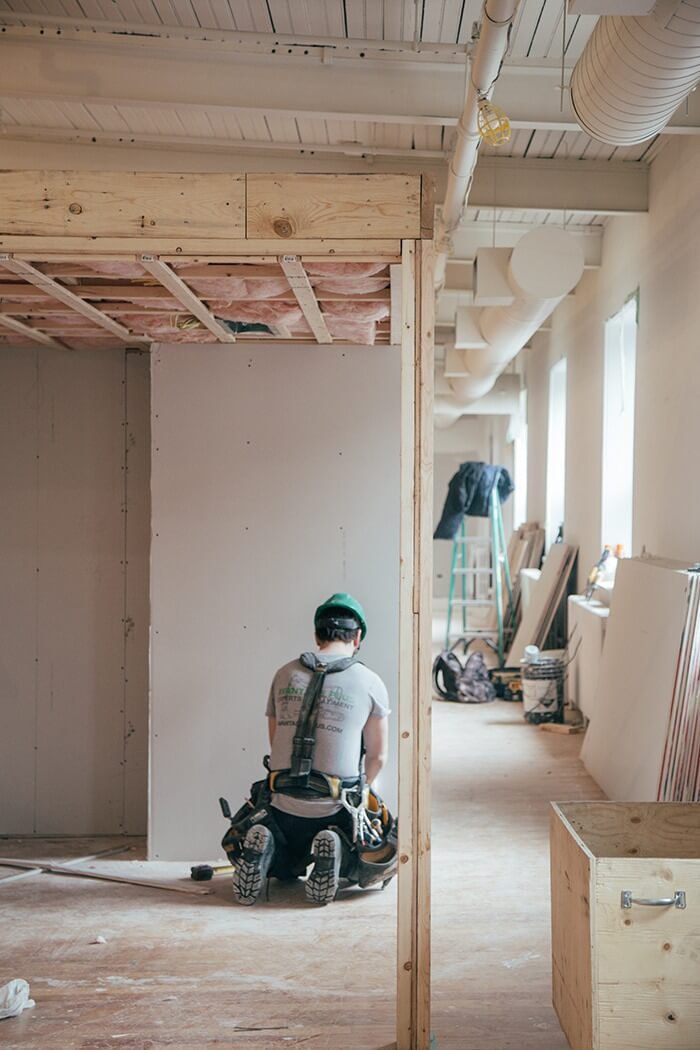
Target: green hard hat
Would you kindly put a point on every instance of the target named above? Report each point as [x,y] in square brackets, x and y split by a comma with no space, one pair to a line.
[342,602]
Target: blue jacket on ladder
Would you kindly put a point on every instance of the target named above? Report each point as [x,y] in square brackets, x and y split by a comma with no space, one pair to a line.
[469,493]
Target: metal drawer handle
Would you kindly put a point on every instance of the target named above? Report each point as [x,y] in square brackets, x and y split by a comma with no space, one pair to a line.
[676,901]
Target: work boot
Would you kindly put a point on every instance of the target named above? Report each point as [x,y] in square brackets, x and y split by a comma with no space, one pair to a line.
[322,883]
[250,874]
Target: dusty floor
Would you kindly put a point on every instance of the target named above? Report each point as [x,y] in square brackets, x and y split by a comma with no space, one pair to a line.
[184,973]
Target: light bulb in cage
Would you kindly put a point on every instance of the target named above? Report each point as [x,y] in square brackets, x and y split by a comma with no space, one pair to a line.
[493,124]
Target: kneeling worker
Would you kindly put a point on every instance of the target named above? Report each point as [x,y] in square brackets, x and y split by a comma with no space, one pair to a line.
[324,710]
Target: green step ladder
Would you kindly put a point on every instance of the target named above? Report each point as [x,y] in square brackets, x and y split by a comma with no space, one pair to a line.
[464,577]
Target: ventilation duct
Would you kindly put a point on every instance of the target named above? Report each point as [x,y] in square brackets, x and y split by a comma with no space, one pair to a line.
[634,72]
[546,264]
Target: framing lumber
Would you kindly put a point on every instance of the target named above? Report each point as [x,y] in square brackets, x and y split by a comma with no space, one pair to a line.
[333,205]
[405,964]
[396,314]
[423,576]
[415,656]
[35,334]
[66,869]
[47,248]
[57,291]
[301,286]
[29,871]
[110,204]
[177,288]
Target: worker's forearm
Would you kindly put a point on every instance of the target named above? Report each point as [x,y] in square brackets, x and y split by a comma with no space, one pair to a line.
[373,766]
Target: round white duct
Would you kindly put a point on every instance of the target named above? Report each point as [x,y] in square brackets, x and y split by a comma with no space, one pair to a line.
[545,265]
[634,72]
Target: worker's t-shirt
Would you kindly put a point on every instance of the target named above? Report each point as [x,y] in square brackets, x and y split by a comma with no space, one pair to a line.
[348,700]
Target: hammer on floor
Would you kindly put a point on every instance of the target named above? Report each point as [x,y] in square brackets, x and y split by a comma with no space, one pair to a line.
[204,872]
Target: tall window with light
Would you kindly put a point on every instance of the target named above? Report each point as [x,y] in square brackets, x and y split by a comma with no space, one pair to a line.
[618,427]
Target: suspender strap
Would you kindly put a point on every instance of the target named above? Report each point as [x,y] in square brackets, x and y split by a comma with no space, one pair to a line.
[305,732]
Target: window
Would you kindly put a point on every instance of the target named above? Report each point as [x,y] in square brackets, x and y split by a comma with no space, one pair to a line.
[520,464]
[618,426]
[556,450]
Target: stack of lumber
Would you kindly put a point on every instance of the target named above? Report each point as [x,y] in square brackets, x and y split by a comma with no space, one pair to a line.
[643,745]
[537,619]
[525,551]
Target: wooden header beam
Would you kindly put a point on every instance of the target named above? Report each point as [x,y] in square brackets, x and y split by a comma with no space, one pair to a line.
[171,212]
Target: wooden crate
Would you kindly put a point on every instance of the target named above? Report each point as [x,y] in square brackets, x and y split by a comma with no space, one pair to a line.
[626,978]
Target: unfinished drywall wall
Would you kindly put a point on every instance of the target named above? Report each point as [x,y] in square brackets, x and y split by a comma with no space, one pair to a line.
[74,465]
[659,254]
[275,482]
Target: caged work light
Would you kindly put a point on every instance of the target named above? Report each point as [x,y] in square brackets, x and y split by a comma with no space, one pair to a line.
[492,123]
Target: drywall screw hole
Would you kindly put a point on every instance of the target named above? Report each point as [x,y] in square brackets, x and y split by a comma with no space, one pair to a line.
[628,922]
[75,209]
[671,1017]
[636,820]
[407,966]
[404,858]
[667,947]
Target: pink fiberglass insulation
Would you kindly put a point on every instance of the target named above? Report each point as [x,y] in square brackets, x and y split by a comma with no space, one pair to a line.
[260,313]
[164,329]
[361,332]
[236,288]
[105,268]
[340,269]
[350,285]
[362,311]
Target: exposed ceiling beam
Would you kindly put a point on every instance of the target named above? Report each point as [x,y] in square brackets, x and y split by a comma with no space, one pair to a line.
[179,290]
[351,148]
[52,288]
[284,45]
[301,286]
[30,333]
[101,69]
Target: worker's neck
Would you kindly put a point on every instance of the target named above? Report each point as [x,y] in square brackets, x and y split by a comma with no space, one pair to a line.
[337,648]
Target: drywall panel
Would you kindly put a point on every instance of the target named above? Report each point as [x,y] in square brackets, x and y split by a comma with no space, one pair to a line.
[18,586]
[275,481]
[65,480]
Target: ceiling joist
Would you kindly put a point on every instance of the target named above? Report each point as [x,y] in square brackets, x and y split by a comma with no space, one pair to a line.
[179,290]
[52,288]
[34,334]
[209,89]
[301,286]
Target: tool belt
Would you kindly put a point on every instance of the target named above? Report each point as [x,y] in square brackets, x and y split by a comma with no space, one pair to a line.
[319,785]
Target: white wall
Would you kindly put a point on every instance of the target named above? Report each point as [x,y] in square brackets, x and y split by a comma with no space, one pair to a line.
[74,536]
[275,482]
[660,254]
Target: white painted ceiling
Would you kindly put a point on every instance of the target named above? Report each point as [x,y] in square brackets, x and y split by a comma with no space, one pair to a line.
[434,34]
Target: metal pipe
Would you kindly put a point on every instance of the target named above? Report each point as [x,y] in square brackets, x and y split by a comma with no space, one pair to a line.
[485,66]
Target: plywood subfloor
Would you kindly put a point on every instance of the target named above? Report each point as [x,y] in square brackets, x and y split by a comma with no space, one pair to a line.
[186,973]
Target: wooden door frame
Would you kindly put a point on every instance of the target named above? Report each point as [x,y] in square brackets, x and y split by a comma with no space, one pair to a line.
[52,216]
